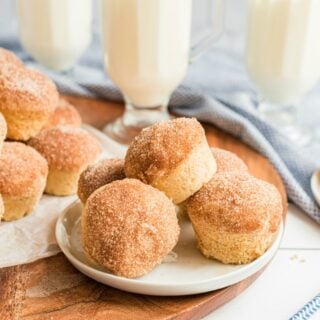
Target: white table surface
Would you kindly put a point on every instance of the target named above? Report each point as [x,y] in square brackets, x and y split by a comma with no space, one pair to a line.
[289,282]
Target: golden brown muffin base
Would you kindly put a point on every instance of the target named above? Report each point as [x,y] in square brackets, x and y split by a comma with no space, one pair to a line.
[189,176]
[17,207]
[24,126]
[62,183]
[233,248]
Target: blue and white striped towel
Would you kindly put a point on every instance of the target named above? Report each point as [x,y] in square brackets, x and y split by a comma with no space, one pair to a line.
[309,311]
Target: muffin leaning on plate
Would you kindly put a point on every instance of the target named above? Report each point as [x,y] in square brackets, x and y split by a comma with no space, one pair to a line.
[68,150]
[23,174]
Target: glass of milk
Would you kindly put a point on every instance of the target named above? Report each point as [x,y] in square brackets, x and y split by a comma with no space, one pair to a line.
[55,32]
[283,58]
[147,53]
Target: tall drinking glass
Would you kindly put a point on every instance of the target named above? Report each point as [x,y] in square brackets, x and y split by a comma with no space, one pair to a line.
[283,58]
[55,32]
[146,54]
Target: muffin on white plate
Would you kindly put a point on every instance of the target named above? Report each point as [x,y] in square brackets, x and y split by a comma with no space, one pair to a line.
[173,156]
[128,227]
[235,217]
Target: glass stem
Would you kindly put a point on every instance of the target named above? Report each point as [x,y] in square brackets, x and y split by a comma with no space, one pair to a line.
[141,117]
[276,115]
[134,119]
[285,118]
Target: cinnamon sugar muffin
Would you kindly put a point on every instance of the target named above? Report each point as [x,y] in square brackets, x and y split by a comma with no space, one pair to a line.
[128,227]
[228,161]
[98,175]
[27,99]
[3,130]
[172,156]
[23,174]
[235,217]
[64,114]
[68,150]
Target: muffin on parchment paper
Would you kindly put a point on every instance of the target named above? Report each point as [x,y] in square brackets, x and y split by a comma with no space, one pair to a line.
[27,99]
[23,175]
[64,114]
[68,150]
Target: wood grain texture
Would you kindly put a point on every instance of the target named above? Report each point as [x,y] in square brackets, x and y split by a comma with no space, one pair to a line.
[52,289]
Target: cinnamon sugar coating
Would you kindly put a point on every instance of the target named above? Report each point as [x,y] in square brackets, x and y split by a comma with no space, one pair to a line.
[98,175]
[67,148]
[27,98]
[8,57]
[129,227]
[228,161]
[236,203]
[22,170]
[64,114]
[160,148]
[24,89]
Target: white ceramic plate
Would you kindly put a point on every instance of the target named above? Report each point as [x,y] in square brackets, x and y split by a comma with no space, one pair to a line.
[183,272]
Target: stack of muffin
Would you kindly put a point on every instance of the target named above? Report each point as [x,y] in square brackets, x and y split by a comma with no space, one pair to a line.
[129,222]
[42,147]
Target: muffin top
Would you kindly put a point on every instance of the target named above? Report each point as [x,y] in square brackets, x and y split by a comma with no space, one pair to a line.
[98,175]
[160,148]
[228,161]
[26,89]
[129,227]
[67,148]
[236,203]
[64,114]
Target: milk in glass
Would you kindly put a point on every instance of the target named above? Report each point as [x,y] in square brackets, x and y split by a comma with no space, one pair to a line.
[283,47]
[55,32]
[146,47]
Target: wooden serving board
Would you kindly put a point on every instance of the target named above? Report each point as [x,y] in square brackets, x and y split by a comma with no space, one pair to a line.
[52,289]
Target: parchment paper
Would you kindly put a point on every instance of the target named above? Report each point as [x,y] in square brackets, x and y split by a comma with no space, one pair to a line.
[33,237]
